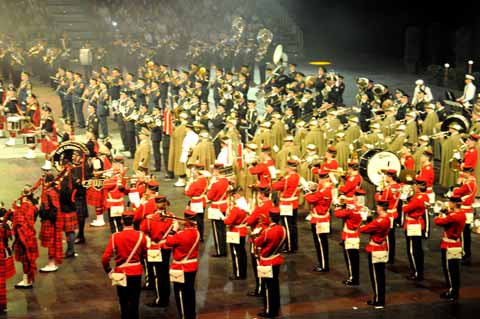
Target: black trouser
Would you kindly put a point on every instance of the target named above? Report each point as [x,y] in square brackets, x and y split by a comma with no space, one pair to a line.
[161,278]
[377,277]
[131,143]
[129,297]
[451,270]
[156,154]
[166,150]
[185,296]
[69,109]
[415,254]
[467,241]
[352,258]
[391,245]
[239,259]
[82,213]
[115,223]
[200,224]
[290,224]
[321,246]
[79,113]
[271,293]
[219,237]
[122,129]
[102,120]
[258,281]
[64,105]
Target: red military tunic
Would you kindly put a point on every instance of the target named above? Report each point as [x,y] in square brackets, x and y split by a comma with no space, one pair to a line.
[470,158]
[353,219]
[378,230]
[144,210]
[196,191]
[351,186]
[467,191]
[263,209]
[331,165]
[415,210]
[121,244]
[182,243]
[427,174]
[157,229]
[289,188]
[409,163]
[321,200]
[264,173]
[236,219]
[391,193]
[453,225]
[217,194]
[270,241]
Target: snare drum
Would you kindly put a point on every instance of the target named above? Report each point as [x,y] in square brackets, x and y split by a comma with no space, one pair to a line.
[14,123]
[373,161]
[29,139]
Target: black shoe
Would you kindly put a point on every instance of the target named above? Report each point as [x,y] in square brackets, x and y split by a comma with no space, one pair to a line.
[79,241]
[218,255]
[349,282]
[448,295]
[71,255]
[376,305]
[415,278]
[265,315]
[320,269]
[145,287]
[254,294]
[153,304]
[232,277]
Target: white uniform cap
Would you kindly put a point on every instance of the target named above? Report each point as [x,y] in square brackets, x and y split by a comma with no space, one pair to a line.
[419,82]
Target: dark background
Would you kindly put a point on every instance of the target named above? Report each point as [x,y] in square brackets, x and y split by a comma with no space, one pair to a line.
[337,28]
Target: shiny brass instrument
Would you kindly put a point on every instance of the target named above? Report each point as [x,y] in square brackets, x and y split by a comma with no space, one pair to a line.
[178,219]
[362,84]
[264,39]
[378,91]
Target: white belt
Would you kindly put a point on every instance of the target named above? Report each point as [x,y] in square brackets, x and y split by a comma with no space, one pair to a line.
[129,264]
[220,202]
[347,230]
[270,257]
[288,199]
[185,261]
[371,242]
[319,216]
[452,241]
[198,197]
[393,210]
[465,207]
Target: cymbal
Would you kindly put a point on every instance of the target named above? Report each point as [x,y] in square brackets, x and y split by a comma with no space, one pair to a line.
[319,63]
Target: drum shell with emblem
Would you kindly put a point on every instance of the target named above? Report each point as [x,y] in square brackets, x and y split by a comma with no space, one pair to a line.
[14,123]
[373,161]
[29,139]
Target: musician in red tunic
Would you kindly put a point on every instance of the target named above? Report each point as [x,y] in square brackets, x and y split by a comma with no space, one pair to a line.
[265,170]
[467,192]
[157,226]
[197,191]
[237,231]
[390,193]
[470,158]
[32,118]
[218,197]
[288,188]
[330,164]
[353,182]
[320,200]
[427,173]
[350,213]
[377,249]
[147,203]
[12,111]
[415,211]
[114,191]
[128,247]
[452,220]
[264,204]
[269,243]
[25,245]
[185,245]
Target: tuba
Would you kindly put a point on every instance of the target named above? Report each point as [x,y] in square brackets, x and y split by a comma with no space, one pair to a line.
[264,39]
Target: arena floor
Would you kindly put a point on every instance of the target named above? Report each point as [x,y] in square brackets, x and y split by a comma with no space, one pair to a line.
[80,289]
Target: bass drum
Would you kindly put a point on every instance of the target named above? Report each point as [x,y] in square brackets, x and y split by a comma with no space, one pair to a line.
[373,161]
[463,121]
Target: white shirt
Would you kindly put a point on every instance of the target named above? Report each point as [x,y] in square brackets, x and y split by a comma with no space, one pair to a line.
[428,94]
[468,94]
[190,140]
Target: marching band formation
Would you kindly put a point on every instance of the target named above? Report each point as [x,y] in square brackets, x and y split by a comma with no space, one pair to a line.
[251,171]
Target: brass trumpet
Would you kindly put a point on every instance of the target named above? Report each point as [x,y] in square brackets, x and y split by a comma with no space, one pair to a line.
[179,219]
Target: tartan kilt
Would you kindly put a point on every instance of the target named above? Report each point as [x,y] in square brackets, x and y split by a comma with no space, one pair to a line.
[47,234]
[47,146]
[26,247]
[67,222]
[94,197]
[3,281]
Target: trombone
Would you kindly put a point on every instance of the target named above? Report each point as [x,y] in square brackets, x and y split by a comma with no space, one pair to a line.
[178,219]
